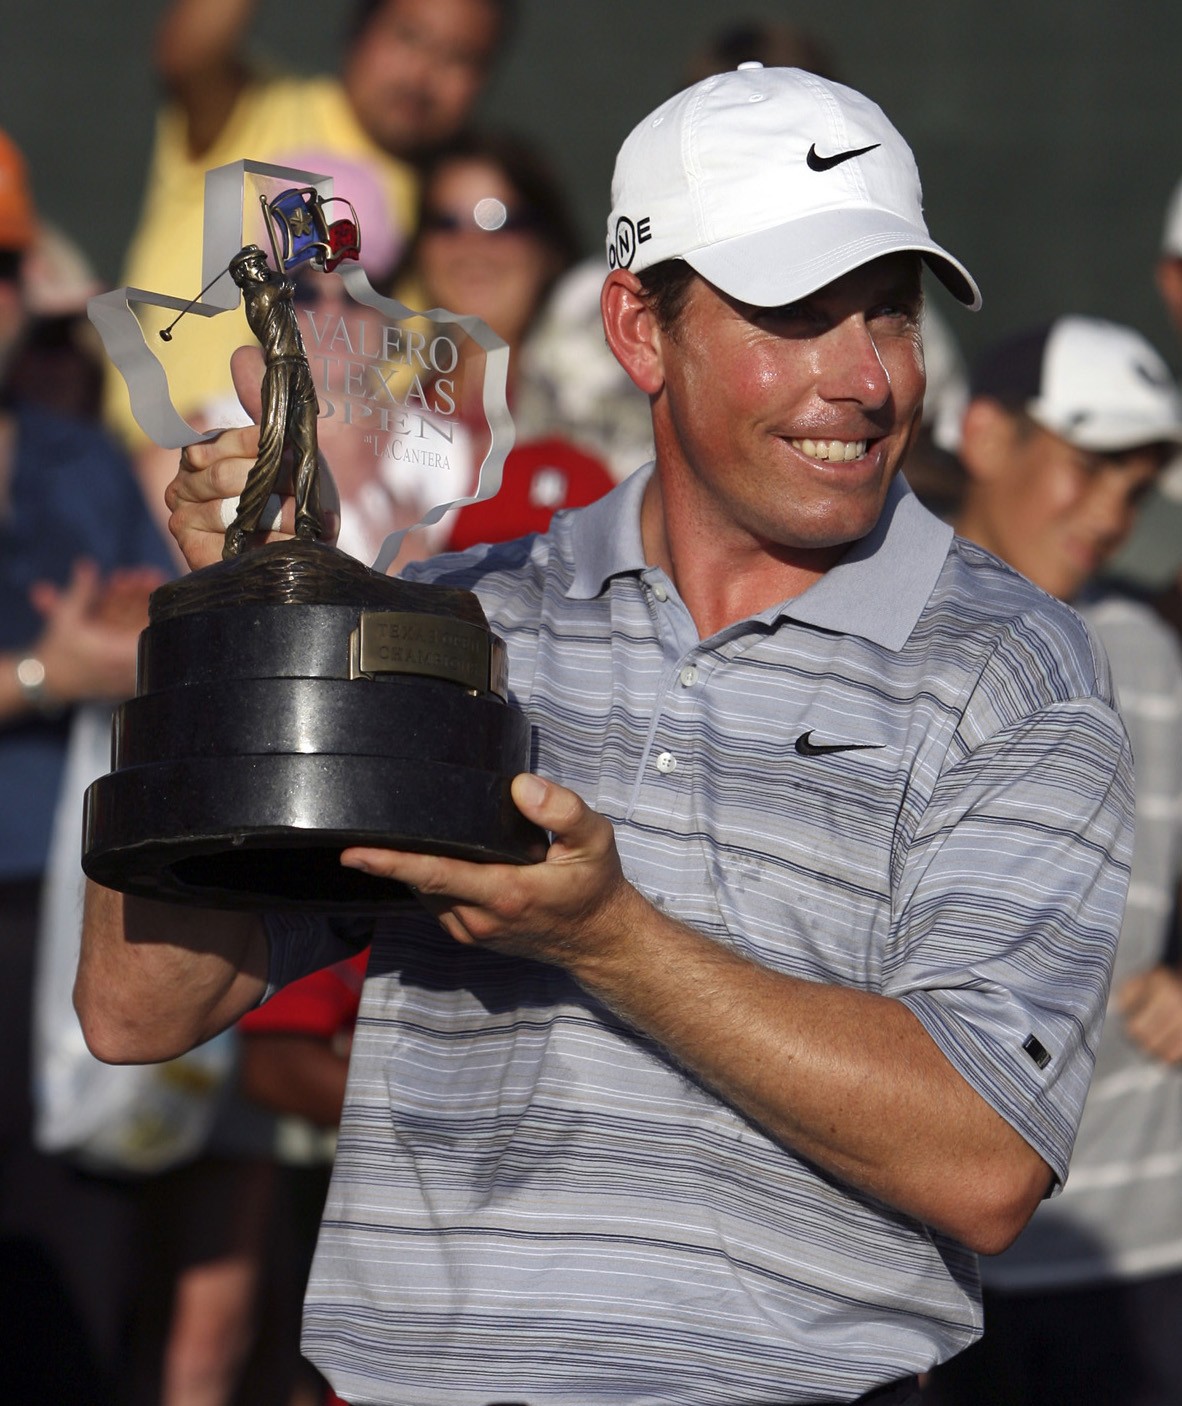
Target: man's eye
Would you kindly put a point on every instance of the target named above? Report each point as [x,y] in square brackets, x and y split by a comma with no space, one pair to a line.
[1089,464]
[897,312]
[789,315]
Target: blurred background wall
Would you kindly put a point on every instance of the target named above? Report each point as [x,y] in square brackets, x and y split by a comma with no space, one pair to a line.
[1048,134]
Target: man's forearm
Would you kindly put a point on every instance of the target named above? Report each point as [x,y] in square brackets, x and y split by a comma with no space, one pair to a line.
[155,979]
[848,1079]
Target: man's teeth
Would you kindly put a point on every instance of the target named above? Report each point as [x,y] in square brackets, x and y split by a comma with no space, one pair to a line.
[834,449]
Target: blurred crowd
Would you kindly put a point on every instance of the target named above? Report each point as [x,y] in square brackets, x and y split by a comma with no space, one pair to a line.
[156,1226]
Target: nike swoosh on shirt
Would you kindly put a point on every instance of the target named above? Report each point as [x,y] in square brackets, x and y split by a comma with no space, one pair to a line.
[827,163]
[807,748]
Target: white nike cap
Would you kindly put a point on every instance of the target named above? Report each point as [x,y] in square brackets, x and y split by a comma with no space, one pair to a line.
[771,183]
[1096,384]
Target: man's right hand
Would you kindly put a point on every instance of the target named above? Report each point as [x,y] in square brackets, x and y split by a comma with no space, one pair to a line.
[208,475]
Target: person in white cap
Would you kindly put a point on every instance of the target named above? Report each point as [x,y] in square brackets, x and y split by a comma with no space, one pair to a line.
[1068,427]
[713,1106]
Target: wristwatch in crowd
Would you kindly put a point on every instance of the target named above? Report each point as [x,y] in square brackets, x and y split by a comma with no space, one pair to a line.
[30,674]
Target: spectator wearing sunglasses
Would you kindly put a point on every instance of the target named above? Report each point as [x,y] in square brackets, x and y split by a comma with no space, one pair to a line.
[493,237]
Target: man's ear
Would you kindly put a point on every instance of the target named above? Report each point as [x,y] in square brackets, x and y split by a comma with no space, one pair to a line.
[986,439]
[632,331]
[1168,272]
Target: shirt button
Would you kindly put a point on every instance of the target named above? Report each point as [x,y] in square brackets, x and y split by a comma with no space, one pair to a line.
[661,593]
[689,676]
[666,762]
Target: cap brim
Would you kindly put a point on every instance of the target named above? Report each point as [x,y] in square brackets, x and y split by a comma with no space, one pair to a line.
[779,265]
[1108,433]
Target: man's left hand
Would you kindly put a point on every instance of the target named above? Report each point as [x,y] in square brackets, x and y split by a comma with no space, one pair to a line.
[566,910]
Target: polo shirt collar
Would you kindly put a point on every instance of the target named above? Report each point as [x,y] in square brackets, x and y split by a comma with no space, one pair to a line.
[605,536]
[876,591]
[880,587]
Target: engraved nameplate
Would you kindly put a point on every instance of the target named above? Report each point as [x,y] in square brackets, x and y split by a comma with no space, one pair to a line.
[433,646]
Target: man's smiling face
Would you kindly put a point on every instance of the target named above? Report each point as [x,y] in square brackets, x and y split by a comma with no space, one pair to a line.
[786,425]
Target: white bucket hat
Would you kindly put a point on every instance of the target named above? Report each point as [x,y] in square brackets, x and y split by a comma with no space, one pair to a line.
[770,183]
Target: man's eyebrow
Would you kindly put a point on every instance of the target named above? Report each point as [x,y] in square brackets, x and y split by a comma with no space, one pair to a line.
[902,289]
[805,301]
[792,305]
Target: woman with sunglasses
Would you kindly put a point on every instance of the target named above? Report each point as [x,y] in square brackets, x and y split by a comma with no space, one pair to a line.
[494,235]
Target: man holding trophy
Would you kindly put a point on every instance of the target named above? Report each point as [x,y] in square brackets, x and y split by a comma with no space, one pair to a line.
[716,1102]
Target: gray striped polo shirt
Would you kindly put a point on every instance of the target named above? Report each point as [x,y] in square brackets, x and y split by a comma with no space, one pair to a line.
[531,1202]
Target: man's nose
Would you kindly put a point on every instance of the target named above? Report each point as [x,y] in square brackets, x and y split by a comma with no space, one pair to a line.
[854,368]
[419,61]
[1108,507]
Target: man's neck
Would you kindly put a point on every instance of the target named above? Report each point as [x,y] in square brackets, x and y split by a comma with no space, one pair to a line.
[962,524]
[721,578]
[974,527]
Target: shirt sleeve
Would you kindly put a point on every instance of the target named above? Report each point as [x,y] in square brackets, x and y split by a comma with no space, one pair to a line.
[1009,909]
[301,943]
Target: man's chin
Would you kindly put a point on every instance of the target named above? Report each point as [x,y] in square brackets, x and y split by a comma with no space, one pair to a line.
[838,523]
[407,132]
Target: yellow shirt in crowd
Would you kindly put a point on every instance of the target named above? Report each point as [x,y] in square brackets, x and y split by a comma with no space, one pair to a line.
[275,119]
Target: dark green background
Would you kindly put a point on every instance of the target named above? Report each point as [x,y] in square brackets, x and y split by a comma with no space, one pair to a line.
[1047,133]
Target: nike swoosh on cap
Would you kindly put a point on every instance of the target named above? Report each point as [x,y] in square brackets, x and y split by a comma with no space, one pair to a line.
[827,163]
[806,747]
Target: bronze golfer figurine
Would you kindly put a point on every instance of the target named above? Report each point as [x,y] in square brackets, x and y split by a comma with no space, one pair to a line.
[289,401]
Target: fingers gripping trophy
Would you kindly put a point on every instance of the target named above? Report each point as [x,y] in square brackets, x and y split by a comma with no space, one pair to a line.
[291,701]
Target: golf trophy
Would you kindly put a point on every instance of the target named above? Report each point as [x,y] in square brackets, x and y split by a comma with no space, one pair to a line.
[290,699]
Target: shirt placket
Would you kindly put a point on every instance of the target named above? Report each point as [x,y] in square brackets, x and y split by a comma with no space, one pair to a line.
[665,770]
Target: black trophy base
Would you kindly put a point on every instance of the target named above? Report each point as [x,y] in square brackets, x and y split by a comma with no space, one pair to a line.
[255,749]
